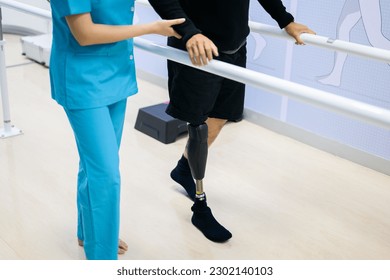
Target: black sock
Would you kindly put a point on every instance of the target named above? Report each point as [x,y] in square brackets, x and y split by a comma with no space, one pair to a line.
[182,175]
[204,220]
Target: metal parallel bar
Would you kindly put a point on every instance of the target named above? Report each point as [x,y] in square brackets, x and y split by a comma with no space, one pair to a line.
[352,108]
[8,130]
[4,89]
[325,42]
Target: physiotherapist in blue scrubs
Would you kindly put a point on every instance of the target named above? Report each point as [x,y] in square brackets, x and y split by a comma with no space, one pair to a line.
[92,73]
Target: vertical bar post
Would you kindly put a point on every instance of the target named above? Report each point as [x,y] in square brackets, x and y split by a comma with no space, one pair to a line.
[8,130]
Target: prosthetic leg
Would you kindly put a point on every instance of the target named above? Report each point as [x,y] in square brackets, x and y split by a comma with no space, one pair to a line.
[202,218]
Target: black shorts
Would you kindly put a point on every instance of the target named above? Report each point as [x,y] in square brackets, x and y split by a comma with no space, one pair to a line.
[196,95]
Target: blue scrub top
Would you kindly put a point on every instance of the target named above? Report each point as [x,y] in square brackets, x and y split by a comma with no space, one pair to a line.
[91,76]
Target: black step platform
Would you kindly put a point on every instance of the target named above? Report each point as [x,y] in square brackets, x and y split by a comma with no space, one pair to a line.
[153,121]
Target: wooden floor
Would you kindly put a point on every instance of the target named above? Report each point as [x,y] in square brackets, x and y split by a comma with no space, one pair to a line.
[280,198]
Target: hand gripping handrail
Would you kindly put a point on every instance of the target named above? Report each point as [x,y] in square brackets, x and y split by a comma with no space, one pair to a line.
[339,104]
[325,42]
[359,110]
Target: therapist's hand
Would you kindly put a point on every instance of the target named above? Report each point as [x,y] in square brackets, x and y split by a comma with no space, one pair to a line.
[164,27]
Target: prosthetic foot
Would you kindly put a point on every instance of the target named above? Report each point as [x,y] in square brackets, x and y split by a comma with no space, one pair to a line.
[204,220]
[202,217]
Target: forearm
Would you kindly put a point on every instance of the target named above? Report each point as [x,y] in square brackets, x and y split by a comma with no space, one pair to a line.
[104,34]
[88,33]
[277,11]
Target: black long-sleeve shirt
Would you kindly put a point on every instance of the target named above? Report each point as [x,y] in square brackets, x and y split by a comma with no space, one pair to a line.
[225,22]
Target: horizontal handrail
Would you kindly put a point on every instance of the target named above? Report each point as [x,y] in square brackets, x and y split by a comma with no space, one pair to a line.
[356,109]
[25,8]
[359,110]
[325,42]
[316,40]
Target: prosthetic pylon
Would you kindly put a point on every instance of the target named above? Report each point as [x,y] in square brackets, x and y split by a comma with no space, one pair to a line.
[197,150]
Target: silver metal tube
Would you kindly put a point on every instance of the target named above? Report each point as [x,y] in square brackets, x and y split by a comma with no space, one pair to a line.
[3,82]
[325,42]
[352,108]
[9,129]
[4,90]
[199,186]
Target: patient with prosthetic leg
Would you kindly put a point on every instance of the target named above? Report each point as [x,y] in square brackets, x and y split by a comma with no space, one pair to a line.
[214,29]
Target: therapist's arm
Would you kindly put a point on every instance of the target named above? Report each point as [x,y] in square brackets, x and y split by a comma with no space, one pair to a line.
[86,32]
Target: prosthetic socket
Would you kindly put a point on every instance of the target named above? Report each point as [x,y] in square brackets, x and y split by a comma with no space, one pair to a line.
[197,149]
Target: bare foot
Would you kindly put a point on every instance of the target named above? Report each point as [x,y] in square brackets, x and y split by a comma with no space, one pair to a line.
[122,248]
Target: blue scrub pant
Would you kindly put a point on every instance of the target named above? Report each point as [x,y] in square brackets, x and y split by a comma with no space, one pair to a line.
[98,133]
